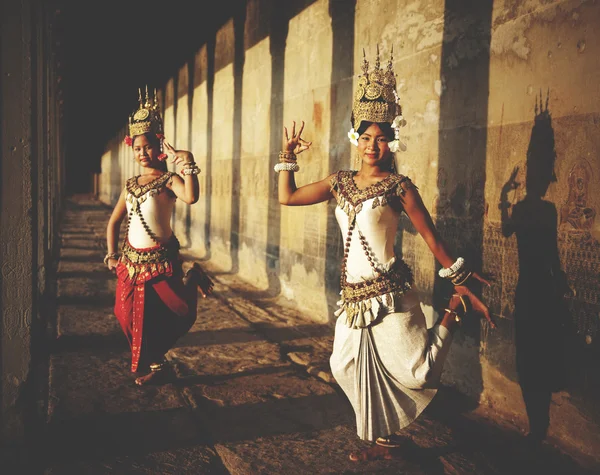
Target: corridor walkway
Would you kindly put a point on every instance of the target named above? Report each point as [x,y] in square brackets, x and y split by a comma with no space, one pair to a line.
[253,393]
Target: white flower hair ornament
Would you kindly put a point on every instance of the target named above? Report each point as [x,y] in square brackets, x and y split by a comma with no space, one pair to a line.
[353,136]
[396,145]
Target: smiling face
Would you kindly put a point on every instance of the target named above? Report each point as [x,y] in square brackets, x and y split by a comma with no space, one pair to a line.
[373,148]
[146,152]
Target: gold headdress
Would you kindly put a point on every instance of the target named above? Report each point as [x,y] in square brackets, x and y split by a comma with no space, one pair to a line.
[147,117]
[376,100]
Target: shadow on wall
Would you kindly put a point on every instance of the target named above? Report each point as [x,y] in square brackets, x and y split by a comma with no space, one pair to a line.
[463,133]
[543,325]
[342,25]
[239,19]
[579,245]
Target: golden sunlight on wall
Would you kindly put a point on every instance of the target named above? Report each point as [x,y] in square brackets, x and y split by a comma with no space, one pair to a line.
[199,147]
[182,141]
[169,117]
[307,97]
[254,164]
[222,150]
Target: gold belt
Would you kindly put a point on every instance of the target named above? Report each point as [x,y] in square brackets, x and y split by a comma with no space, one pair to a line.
[398,279]
[150,256]
[145,264]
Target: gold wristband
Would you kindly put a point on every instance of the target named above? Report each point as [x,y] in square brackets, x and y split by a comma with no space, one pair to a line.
[463,280]
[110,255]
[457,318]
[287,156]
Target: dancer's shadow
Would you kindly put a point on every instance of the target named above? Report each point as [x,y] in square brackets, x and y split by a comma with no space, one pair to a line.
[542,321]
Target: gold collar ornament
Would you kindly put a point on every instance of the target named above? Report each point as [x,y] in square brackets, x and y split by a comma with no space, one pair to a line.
[376,100]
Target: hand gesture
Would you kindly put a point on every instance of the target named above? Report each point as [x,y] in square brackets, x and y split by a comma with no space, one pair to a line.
[512,183]
[179,156]
[476,304]
[201,279]
[295,144]
[112,264]
[205,285]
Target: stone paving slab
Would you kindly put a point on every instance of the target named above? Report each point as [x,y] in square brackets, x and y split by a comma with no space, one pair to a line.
[99,421]
[68,268]
[452,436]
[81,255]
[253,393]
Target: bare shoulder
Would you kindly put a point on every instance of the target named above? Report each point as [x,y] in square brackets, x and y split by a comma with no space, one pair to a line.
[332,181]
[173,177]
[404,192]
[405,183]
[332,177]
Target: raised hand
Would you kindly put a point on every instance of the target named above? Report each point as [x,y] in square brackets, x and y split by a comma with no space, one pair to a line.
[295,144]
[512,183]
[179,156]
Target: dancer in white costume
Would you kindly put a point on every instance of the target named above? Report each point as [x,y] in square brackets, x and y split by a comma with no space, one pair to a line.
[384,357]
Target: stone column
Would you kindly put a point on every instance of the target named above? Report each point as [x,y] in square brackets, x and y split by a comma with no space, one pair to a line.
[16,214]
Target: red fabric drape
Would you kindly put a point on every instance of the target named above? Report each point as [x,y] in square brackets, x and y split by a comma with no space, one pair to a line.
[154,309]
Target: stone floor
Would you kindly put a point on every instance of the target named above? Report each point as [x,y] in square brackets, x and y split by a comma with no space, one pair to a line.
[253,393]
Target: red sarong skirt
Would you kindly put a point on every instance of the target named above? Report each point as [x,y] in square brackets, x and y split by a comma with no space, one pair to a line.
[152,304]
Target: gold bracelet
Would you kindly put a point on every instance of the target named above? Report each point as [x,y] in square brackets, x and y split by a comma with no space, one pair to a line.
[454,281]
[457,318]
[462,301]
[110,255]
[287,155]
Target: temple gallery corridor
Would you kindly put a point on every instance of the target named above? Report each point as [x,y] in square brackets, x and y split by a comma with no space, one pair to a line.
[251,391]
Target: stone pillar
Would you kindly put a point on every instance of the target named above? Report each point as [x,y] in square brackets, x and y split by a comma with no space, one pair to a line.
[16,213]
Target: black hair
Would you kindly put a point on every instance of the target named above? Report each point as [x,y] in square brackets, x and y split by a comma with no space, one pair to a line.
[385,127]
[152,138]
[154,141]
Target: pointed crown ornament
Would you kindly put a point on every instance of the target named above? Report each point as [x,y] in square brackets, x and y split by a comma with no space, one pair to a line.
[147,117]
[376,100]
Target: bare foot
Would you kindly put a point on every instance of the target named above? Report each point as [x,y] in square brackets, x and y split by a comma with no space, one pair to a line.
[160,376]
[146,379]
[375,452]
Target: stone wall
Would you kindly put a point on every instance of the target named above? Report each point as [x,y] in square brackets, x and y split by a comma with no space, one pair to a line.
[503,109]
[31,183]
